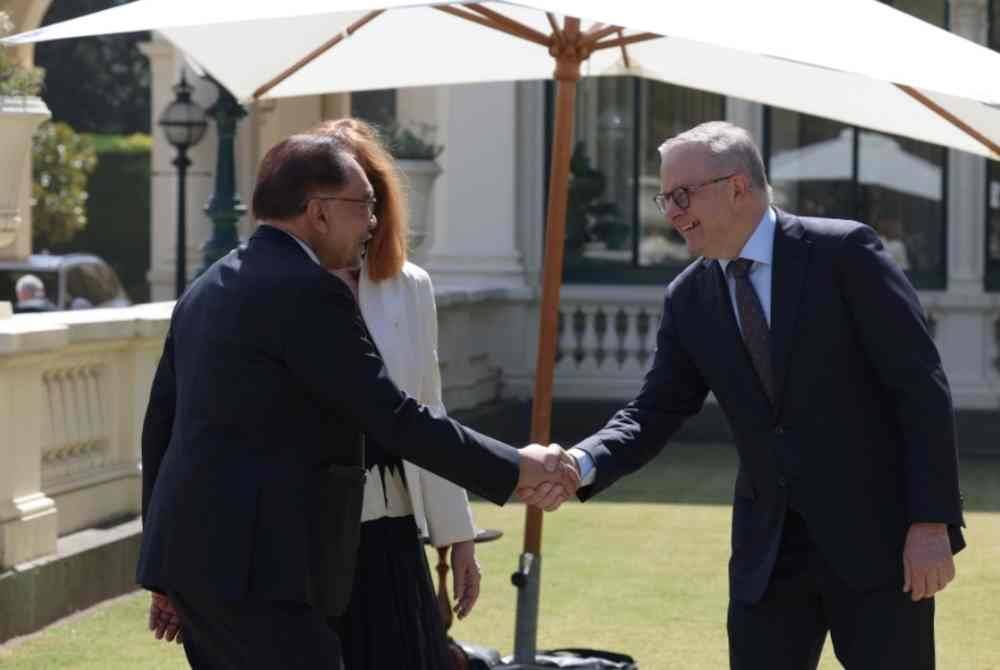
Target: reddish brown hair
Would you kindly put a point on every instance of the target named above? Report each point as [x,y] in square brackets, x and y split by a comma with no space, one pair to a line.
[292,169]
[387,249]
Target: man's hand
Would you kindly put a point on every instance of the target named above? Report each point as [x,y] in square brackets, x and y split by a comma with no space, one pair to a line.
[467,576]
[164,620]
[928,565]
[551,485]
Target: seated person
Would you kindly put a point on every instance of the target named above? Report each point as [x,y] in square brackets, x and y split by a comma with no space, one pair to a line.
[31,295]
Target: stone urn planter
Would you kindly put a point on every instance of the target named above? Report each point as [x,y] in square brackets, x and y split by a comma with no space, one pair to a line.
[420,176]
[19,117]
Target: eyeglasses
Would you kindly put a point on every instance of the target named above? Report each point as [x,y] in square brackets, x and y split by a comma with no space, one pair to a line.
[682,194]
[372,202]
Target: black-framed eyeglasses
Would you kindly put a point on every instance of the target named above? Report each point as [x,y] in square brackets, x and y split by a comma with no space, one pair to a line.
[372,202]
[682,194]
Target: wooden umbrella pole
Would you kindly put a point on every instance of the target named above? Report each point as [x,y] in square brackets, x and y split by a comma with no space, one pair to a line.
[567,73]
[569,53]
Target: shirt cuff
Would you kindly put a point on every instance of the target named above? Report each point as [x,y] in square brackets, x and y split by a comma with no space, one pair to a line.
[588,471]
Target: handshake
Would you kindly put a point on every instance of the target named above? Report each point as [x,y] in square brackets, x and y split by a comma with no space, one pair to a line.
[549,476]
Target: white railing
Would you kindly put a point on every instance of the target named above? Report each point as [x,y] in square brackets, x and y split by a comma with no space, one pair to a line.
[73,387]
[607,337]
[73,393]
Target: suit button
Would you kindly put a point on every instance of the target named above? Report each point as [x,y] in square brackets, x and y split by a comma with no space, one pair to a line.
[782,482]
[779,430]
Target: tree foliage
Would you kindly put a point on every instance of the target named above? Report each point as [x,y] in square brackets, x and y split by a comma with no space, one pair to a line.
[62,162]
[95,84]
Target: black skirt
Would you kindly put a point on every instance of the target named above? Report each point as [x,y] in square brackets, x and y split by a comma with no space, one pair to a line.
[392,621]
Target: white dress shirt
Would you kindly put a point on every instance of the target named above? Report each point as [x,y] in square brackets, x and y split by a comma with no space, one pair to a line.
[760,249]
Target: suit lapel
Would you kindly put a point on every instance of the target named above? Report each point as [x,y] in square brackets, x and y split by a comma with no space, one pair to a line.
[791,260]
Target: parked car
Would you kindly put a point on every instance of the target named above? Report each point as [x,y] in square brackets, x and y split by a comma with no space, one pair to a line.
[72,281]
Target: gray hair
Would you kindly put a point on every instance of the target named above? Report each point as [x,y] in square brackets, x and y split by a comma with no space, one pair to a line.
[30,284]
[731,149]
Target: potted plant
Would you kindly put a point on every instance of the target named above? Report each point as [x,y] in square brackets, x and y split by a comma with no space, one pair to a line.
[21,111]
[415,152]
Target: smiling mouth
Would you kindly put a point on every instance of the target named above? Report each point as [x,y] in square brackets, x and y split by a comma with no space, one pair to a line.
[688,228]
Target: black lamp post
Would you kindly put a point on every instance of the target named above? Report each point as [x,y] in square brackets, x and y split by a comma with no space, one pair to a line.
[184,124]
[225,207]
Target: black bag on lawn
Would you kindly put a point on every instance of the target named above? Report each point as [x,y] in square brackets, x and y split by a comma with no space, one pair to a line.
[576,659]
[479,657]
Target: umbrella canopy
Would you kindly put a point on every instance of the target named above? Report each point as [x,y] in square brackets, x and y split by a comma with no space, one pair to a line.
[817,57]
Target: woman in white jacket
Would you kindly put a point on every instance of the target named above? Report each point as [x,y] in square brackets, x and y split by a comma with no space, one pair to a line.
[393,619]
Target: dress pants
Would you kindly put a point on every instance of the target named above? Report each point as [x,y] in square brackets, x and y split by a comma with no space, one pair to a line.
[222,636]
[880,629]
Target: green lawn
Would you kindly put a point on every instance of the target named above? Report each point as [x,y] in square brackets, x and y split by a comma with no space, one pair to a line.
[641,570]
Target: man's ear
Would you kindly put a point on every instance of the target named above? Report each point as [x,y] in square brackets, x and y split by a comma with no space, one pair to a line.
[316,215]
[741,186]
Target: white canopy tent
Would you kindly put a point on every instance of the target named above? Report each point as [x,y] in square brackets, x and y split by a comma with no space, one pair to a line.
[886,164]
[831,59]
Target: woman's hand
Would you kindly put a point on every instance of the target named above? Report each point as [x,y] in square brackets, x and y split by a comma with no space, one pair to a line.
[467,576]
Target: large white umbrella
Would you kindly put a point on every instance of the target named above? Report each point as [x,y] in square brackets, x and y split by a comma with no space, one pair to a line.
[856,61]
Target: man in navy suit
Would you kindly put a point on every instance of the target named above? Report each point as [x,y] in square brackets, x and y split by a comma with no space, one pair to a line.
[846,507]
[253,441]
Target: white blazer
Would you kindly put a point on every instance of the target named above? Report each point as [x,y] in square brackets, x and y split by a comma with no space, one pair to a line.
[402,317]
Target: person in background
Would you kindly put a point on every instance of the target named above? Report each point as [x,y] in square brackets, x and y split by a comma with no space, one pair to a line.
[31,296]
[393,619]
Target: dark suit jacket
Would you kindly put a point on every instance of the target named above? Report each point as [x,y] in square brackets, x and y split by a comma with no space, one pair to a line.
[860,438]
[252,445]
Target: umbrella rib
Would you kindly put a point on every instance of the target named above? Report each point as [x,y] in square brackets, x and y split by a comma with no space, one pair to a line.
[501,20]
[600,31]
[950,118]
[625,41]
[625,58]
[531,35]
[556,30]
[316,53]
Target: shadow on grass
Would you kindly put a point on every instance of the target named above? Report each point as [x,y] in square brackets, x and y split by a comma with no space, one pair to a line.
[698,467]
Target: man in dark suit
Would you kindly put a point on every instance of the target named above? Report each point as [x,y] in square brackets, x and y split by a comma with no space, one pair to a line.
[253,442]
[847,509]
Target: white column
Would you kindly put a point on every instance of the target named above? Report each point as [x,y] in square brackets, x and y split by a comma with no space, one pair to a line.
[474,208]
[967,178]
[165,67]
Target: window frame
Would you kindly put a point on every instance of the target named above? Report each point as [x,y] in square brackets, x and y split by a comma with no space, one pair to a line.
[633,274]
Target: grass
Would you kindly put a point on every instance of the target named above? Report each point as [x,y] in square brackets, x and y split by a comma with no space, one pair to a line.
[641,570]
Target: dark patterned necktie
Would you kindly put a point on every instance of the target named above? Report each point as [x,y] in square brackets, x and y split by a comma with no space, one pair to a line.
[756,335]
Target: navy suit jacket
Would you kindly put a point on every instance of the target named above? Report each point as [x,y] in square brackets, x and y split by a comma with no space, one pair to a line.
[860,437]
[252,446]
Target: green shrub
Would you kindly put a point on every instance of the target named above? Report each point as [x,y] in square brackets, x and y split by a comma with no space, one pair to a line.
[118,208]
[16,79]
[62,161]
[412,142]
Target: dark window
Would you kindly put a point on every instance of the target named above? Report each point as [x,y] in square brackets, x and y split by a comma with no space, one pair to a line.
[993,181]
[376,107]
[614,234]
[896,185]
